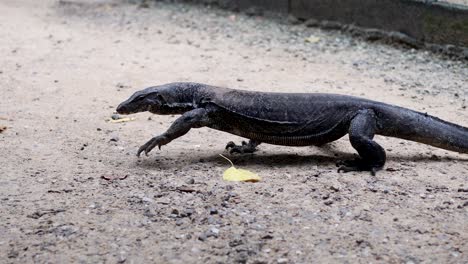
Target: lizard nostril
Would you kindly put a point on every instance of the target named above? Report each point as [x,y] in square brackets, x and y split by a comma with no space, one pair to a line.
[121,109]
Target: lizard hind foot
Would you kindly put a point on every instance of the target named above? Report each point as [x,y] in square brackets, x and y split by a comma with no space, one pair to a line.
[357,165]
[250,147]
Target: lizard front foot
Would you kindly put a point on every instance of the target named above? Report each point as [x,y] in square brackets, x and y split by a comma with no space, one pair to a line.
[152,143]
[357,165]
[250,147]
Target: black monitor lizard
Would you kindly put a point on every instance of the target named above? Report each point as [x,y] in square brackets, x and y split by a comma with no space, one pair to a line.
[292,119]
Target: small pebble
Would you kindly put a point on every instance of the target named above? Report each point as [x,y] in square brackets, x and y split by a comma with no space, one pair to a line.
[214,230]
[190,181]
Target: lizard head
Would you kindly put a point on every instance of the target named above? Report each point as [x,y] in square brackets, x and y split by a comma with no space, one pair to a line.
[167,99]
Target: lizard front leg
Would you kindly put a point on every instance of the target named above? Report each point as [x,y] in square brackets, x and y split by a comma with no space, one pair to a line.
[192,119]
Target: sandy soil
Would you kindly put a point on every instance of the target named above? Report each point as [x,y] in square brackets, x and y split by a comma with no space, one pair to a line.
[65,67]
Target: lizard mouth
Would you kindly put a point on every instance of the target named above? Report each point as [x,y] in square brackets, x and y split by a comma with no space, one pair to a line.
[122,109]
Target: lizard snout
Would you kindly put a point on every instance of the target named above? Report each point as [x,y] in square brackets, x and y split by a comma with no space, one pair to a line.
[122,109]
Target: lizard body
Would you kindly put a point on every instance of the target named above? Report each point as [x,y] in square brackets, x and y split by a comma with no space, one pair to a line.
[292,119]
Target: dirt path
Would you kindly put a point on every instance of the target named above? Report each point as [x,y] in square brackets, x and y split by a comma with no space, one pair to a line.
[66,66]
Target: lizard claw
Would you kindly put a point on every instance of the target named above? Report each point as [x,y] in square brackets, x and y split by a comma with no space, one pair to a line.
[236,149]
[233,148]
[151,144]
[356,165]
[230,144]
[141,149]
[241,149]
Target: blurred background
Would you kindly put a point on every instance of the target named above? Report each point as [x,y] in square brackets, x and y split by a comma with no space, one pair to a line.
[73,191]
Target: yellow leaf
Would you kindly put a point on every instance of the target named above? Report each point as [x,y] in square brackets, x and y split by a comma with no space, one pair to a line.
[121,120]
[312,39]
[233,174]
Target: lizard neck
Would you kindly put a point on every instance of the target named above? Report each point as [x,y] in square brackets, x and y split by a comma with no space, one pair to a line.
[185,97]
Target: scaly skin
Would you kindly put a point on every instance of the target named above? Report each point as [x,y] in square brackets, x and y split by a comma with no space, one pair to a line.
[292,119]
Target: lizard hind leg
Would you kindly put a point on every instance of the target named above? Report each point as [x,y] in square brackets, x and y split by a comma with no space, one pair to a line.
[249,147]
[361,133]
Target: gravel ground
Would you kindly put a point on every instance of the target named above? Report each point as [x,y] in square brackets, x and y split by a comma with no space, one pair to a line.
[65,67]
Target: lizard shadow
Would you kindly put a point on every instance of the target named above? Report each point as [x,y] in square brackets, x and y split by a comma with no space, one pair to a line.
[321,159]
[326,156]
[425,158]
[276,160]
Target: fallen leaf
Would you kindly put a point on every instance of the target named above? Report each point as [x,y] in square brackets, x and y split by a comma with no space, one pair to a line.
[234,174]
[312,39]
[121,120]
[2,128]
[112,177]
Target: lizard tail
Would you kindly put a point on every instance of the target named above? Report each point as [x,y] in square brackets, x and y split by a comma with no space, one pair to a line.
[426,129]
